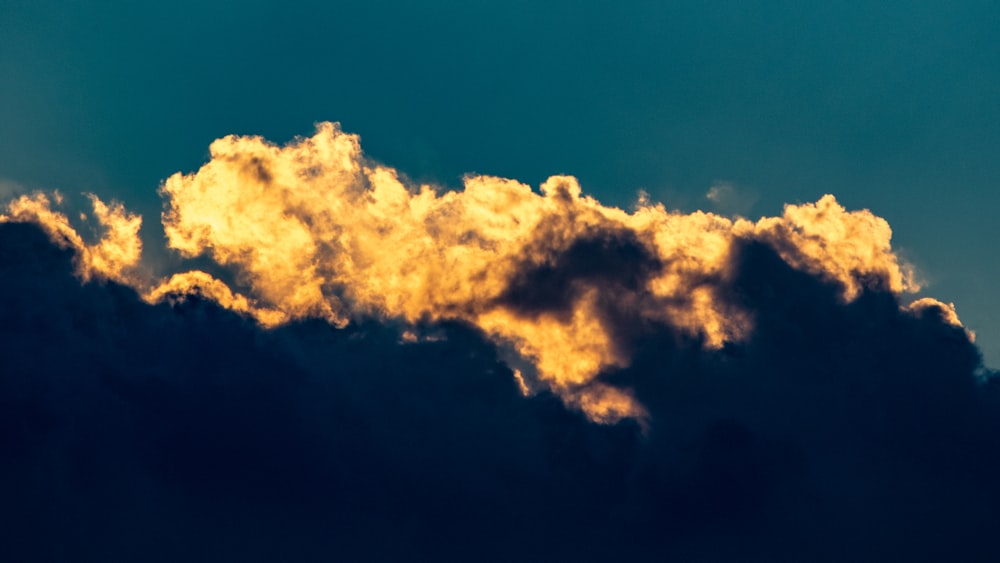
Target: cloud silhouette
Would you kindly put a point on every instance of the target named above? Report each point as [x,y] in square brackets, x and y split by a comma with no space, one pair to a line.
[836,430]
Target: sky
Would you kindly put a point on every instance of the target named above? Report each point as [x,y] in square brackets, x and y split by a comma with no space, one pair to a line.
[436,272]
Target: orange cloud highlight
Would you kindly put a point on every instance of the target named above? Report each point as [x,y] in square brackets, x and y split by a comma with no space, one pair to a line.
[182,286]
[113,257]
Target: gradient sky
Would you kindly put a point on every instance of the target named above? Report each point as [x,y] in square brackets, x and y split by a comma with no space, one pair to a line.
[891,107]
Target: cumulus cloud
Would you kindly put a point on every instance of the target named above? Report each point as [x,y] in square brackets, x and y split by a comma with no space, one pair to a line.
[403,372]
[315,229]
[837,428]
[406,372]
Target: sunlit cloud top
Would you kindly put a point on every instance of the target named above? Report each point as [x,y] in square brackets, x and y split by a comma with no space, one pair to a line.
[314,229]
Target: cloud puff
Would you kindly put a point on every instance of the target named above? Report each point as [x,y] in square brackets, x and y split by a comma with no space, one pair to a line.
[314,229]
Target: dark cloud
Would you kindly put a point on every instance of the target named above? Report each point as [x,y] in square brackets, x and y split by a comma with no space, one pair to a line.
[612,261]
[162,433]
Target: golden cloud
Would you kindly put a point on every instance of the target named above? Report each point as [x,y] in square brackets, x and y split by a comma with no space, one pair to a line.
[112,257]
[315,229]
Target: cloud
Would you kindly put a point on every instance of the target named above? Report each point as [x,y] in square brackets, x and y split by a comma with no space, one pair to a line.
[197,284]
[182,430]
[314,229]
[405,372]
[112,257]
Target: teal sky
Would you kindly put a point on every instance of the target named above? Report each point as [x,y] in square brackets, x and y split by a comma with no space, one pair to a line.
[892,106]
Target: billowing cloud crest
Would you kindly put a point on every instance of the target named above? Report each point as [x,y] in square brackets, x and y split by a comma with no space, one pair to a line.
[317,230]
[112,257]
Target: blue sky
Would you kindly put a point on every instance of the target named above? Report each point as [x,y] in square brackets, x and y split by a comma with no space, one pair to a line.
[891,107]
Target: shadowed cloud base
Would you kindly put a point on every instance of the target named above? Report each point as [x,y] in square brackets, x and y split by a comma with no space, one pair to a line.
[835,430]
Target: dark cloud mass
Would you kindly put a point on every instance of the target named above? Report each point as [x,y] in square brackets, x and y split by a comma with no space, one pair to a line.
[613,260]
[837,431]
